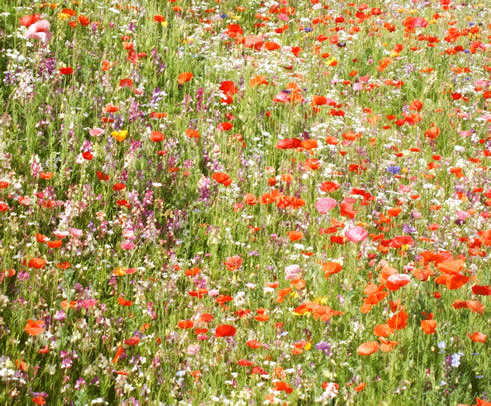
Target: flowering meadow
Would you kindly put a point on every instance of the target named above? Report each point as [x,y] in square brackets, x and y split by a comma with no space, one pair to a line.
[245,203]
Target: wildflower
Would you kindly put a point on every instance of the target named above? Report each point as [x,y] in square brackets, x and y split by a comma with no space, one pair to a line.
[225,330]
[356,234]
[184,77]
[66,71]
[478,337]
[325,205]
[455,359]
[428,326]
[36,263]
[39,30]
[368,348]
[120,136]
[34,328]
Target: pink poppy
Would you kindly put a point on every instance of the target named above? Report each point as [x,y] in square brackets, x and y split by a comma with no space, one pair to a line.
[356,234]
[39,30]
[325,205]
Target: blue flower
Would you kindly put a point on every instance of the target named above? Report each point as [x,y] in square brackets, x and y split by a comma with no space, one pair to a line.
[394,169]
[406,228]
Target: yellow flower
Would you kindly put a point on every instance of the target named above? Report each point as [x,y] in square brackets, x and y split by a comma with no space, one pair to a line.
[308,346]
[63,16]
[120,135]
[119,271]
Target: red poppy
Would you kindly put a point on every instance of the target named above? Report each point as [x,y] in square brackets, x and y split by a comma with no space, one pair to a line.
[234,30]
[398,321]
[119,186]
[34,328]
[368,348]
[39,400]
[428,326]
[254,41]
[283,386]
[225,330]
[156,136]
[30,19]
[36,263]
[184,77]
[132,341]
[295,235]
[123,302]
[481,290]
[125,82]
[83,20]
[185,324]
[66,71]
[223,178]
[478,337]
[233,263]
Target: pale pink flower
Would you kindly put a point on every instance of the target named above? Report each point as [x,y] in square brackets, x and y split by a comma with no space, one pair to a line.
[76,232]
[356,234]
[39,30]
[325,204]
[96,131]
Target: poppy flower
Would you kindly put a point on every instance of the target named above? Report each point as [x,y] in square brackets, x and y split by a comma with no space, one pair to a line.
[185,324]
[39,30]
[30,19]
[397,281]
[233,263]
[119,186]
[223,178]
[118,354]
[356,234]
[132,341]
[478,337]
[34,328]
[123,302]
[225,330]
[254,41]
[184,77]
[360,387]
[398,321]
[289,143]
[234,30]
[156,136]
[66,70]
[428,326]
[283,386]
[191,133]
[39,400]
[295,235]
[120,136]
[331,268]
[432,133]
[36,263]
[125,82]
[383,330]
[481,290]
[259,80]
[368,348]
